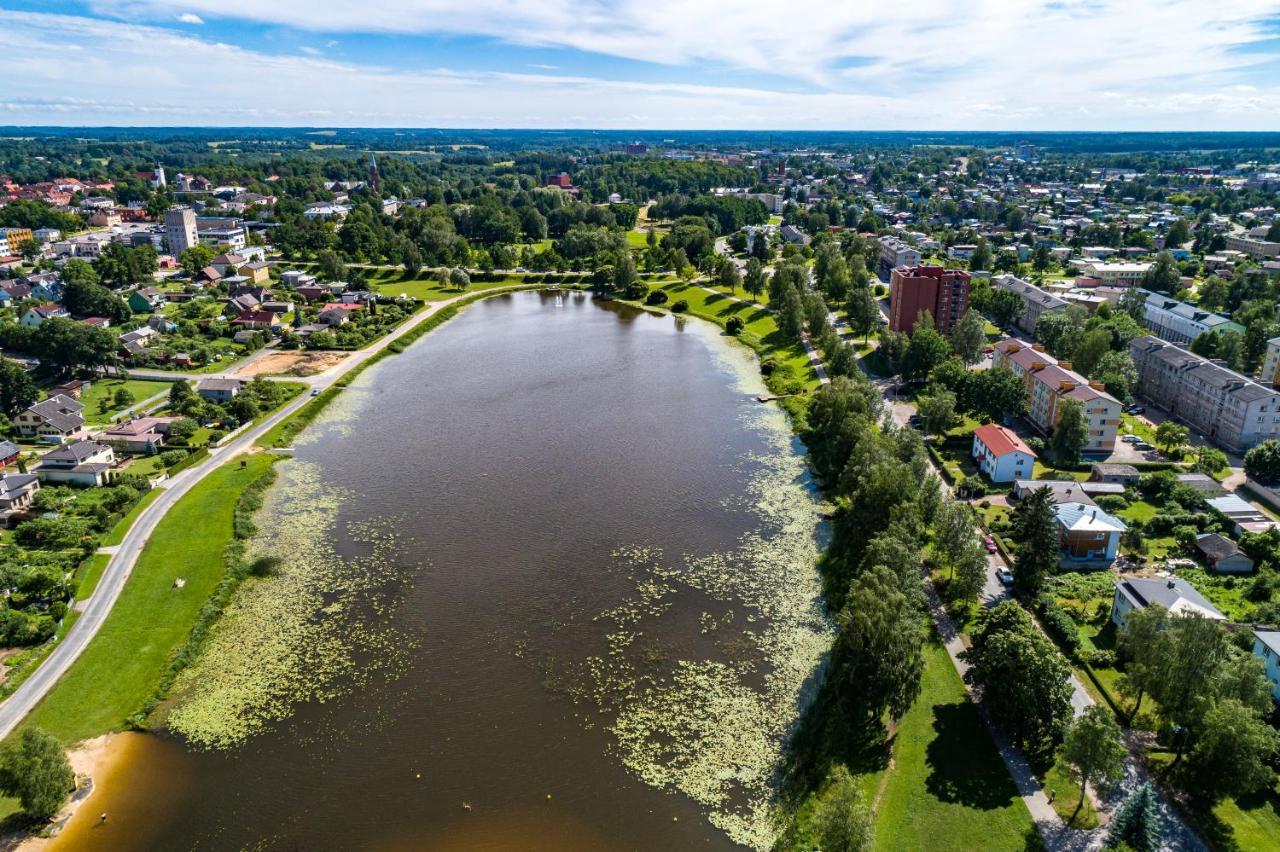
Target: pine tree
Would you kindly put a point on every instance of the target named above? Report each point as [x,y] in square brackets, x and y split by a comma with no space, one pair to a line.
[1137,822]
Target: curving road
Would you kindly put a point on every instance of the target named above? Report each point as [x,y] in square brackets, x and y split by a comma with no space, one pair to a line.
[15,708]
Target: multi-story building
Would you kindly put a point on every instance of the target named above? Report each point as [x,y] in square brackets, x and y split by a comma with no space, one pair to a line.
[1255,248]
[1271,363]
[180,229]
[1115,274]
[15,237]
[944,293]
[1232,410]
[1180,323]
[1034,300]
[894,253]
[1049,381]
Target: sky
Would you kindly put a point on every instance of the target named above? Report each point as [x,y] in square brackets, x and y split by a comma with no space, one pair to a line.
[645,64]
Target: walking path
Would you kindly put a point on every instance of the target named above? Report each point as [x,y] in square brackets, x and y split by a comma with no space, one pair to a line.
[98,606]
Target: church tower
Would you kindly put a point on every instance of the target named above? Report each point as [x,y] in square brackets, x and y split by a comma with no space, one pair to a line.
[373,173]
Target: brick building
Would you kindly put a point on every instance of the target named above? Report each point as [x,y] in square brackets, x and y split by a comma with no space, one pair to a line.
[944,293]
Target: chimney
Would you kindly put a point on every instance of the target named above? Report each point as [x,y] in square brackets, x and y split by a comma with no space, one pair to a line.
[1066,365]
[1066,385]
[1039,347]
[1096,385]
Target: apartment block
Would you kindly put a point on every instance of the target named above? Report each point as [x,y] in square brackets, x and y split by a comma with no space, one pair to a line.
[944,293]
[1180,323]
[1232,410]
[180,229]
[894,253]
[1255,248]
[1034,300]
[1049,382]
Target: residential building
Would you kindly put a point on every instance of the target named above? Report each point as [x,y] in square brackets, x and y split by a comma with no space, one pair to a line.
[146,299]
[180,229]
[1087,533]
[1271,363]
[1255,248]
[1222,555]
[1179,322]
[9,452]
[794,235]
[37,314]
[1035,301]
[15,237]
[894,253]
[139,435]
[1121,474]
[56,417]
[1232,410]
[219,390]
[1176,595]
[1001,454]
[17,490]
[1266,647]
[944,293]
[1049,382]
[1115,274]
[85,463]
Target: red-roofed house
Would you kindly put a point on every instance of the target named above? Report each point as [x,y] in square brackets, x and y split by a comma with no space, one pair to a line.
[1001,454]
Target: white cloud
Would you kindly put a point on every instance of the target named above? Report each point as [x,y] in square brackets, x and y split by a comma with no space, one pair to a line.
[987,65]
[190,18]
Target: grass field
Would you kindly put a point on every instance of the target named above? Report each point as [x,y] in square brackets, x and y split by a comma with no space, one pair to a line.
[124,662]
[117,533]
[88,575]
[106,389]
[760,330]
[948,787]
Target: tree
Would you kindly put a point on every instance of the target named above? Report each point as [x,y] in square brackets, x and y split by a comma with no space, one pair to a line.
[956,548]
[1140,645]
[1164,275]
[1213,293]
[969,337]
[1209,460]
[1263,462]
[183,430]
[18,390]
[29,249]
[330,266]
[1094,750]
[1070,433]
[1233,753]
[66,345]
[1005,306]
[195,258]
[1059,331]
[864,313]
[843,823]
[981,258]
[938,410]
[1137,822]
[122,266]
[728,276]
[1035,530]
[624,277]
[411,257]
[34,769]
[995,394]
[460,280]
[1179,233]
[83,298]
[1171,436]
[879,648]
[123,397]
[754,281]
[927,350]
[791,317]
[1026,683]
[1117,373]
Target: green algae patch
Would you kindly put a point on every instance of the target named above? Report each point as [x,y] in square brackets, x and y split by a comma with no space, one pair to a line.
[312,630]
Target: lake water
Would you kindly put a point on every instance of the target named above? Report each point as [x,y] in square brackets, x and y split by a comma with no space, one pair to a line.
[553,563]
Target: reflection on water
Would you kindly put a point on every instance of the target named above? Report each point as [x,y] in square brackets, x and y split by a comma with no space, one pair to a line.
[586,622]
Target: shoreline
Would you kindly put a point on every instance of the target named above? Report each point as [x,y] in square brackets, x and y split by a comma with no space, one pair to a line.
[91,760]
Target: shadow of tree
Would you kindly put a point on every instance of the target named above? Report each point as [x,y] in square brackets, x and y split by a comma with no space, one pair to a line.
[956,774]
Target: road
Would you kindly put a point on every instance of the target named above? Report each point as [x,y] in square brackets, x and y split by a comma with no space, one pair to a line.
[99,605]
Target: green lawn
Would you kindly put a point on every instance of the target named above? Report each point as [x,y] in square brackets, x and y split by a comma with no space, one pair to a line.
[760,330]
[106,389]
[1066,795]
[948,787]
[1247,826]
[120,669]
[90,573]
[434,291]
[1138,510]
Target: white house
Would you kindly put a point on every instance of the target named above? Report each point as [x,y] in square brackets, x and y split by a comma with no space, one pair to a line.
[1266,647]
[1086,533]
[1173,593]
[39,313]
[81,463]
[1001,454]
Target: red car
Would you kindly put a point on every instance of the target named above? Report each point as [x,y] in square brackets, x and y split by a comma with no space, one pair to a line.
[990,543]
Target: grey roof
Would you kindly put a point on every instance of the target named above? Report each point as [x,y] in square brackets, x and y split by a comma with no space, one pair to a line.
[219,384]
[1107,469]
[60,412]
[1201,482]
[12,482]
[1270,638]
[1165,592]
[77,452]
[8,448]
[1216,546]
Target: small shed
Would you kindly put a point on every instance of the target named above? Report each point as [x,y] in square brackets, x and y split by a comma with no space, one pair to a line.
[1122,474]
[1222,555]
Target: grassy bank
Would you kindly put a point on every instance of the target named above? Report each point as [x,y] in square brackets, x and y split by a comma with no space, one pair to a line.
[152,618]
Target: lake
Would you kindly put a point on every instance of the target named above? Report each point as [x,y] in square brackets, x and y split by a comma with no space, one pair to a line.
[546,580]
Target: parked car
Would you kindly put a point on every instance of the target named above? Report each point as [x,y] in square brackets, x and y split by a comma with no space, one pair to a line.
[1130,438]
[315,391]
[1136,409]
[915,420]
[1005,576]
[1142,445]
[989,543]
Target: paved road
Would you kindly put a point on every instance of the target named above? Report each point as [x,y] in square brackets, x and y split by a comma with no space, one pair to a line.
[98,606]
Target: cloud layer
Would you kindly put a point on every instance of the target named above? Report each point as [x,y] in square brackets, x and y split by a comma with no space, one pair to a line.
[976,64]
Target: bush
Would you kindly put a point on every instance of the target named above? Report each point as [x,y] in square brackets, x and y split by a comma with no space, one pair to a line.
[1101,658]
[680,307]
[734,326]
[656,297]
[171,457]
[767,366]
[1058,624]
[1112,502]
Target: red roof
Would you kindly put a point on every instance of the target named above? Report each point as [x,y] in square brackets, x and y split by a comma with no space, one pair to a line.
[1001,441]
[346,306]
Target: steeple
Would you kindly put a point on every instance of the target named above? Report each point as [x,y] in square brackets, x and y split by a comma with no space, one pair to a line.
[373,172]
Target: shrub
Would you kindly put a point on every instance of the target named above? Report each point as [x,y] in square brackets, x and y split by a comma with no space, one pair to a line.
[656,297]
[680,307]
[1112,502]
[767,366]
[1100,658]
[171,457]
[734,326]
[1058,624]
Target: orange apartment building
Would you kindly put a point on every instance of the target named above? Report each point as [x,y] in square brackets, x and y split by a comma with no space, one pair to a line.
[1050,381]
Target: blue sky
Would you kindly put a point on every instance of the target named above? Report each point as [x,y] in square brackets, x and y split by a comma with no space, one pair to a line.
[804,64]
